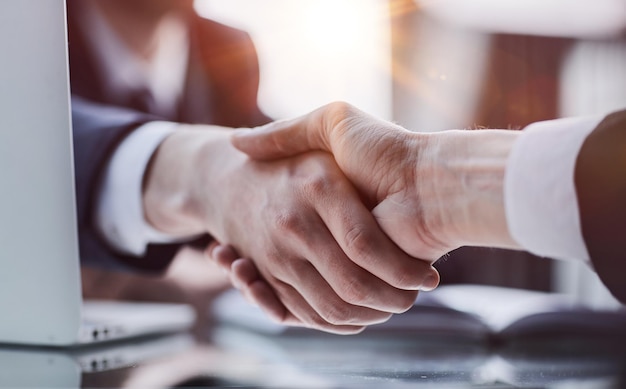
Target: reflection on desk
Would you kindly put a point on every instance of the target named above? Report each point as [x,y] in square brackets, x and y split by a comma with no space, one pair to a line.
[48,367]
[232,357]
[499,336]
[388,361]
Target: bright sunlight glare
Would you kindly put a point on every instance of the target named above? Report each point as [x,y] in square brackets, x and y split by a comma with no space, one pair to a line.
[312,52]
[333,27]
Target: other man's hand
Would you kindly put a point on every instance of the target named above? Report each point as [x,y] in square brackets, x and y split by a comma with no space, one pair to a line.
[302,222]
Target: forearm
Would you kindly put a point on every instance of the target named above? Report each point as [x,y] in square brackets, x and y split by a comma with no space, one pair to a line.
[511,189]
[465,195]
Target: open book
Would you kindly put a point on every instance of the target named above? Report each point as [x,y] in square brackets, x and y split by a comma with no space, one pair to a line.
[455,336]
[473,312]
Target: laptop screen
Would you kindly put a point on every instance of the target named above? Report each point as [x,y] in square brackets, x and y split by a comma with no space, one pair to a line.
[39,271]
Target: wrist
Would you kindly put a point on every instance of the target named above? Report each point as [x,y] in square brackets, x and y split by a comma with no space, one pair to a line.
[467,170]
[177,180]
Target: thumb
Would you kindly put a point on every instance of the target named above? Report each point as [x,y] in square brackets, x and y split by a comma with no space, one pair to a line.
[278,139]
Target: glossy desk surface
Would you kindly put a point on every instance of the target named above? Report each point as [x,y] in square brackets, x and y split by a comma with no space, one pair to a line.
[228,357]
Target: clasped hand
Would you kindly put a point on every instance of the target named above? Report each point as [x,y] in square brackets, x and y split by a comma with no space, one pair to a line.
[379,159]
[318,250]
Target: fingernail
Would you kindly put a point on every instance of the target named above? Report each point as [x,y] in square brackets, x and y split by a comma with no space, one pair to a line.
[430,282]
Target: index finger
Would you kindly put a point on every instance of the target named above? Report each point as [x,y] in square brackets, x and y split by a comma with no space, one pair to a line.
[358,234]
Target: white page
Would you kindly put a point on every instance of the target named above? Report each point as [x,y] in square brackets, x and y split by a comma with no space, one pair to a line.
[498,306]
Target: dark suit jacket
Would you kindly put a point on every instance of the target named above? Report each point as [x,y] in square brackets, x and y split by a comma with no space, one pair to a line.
[221,89]
[600,179]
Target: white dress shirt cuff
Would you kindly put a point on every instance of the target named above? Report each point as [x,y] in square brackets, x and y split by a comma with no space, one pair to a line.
[539,191]
[119,212]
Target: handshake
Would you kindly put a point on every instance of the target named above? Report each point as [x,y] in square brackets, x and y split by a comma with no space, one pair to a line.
[409,198]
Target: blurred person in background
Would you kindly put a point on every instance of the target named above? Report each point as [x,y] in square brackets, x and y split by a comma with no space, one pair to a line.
[128,60]
[155,90]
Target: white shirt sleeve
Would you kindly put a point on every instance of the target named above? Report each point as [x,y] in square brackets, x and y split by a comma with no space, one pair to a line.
[539,191]
[119,211]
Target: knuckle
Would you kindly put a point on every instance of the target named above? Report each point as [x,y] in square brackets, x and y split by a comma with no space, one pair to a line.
[339,110]
[288,221]
[403,277]
[338,315]
[355,292]
[404,273]
[358,241]
[318,185]
[317,321]
[273,259]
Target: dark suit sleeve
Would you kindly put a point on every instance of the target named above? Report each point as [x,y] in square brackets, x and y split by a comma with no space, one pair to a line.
[98,129]
[221,89]
[600,179]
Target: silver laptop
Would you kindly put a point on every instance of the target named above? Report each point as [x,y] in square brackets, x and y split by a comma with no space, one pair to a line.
[40,290]
[46,367]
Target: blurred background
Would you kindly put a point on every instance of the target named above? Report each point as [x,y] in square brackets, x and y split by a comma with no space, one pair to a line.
[314,51]
[436,65]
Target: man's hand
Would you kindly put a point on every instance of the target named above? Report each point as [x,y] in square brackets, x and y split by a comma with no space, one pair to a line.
[312,239]
[430,192]
[379,158]
[245,277]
